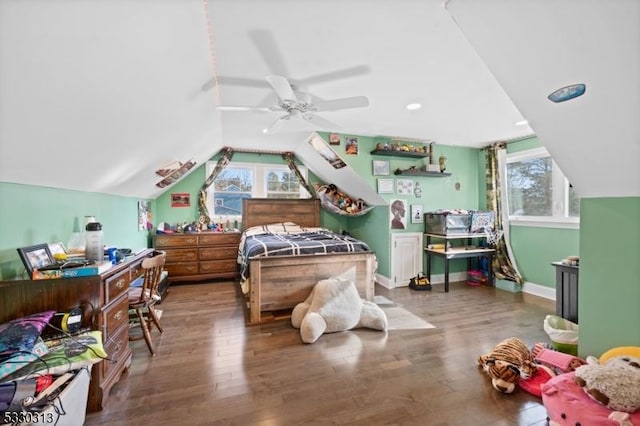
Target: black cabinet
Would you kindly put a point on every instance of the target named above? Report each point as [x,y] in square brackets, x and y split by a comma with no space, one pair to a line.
[566,291]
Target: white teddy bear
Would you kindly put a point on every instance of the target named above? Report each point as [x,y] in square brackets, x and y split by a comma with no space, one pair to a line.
[335,305]
[615,384]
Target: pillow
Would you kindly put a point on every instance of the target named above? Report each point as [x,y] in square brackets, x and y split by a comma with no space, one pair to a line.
[20,335]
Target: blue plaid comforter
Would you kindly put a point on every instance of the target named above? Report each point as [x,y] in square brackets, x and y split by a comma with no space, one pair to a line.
[319,241]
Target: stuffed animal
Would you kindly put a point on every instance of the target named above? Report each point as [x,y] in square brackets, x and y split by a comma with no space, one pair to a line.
[508,362]
[615,384]
[568,405]
[335,305]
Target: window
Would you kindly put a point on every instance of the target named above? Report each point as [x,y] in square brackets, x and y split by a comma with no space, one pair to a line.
[538,191]
[250,180]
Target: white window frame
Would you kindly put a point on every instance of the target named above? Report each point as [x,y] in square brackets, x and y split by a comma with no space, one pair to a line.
[560,203]
[259,184]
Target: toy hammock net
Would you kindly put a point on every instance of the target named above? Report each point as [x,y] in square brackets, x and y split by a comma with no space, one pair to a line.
[337,202]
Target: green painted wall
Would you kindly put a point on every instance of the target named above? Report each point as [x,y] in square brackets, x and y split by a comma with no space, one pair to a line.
[437,193]
[33,215]
[609,280]
[534,248]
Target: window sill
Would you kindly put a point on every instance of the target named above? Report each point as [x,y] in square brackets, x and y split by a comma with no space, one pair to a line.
[545,222]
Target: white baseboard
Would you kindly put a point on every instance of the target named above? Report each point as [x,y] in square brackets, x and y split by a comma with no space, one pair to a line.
[539,290]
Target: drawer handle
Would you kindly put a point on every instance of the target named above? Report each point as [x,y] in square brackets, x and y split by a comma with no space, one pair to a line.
[191,256]
[191,241]
[118,316]
[192,268]
[120,283]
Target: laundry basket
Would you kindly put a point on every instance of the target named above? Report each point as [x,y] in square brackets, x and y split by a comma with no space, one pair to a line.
[563,334]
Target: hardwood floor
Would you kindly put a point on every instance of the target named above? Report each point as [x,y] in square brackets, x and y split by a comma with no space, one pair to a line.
[210,369]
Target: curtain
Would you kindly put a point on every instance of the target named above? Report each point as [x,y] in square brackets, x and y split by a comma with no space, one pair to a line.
[504,266]
[205,218]
[289,158]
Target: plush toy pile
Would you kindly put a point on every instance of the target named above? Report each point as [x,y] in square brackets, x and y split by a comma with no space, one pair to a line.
[335,305]
[606,391]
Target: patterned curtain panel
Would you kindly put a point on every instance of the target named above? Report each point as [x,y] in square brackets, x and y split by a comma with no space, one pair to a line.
[504,266]
[289,158]
[205,218]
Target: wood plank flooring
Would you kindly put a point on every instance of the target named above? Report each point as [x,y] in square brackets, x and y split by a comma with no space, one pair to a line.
[212,370]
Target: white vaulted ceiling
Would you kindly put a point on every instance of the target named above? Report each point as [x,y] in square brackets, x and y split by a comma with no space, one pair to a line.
[95,96]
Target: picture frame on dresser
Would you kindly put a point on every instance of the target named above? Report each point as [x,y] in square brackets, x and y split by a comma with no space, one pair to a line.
[34,257]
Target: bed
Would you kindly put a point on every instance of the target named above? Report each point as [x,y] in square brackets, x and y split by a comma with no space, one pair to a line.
[273,285]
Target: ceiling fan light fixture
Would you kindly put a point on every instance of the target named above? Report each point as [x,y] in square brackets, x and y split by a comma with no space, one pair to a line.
[413,106]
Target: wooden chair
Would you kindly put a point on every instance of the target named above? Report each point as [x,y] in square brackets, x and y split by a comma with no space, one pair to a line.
[143,298]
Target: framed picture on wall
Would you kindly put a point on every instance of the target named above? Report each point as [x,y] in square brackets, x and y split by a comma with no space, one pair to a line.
[381,168]
[416,213]
[404,186]
[385,186]
[181,199]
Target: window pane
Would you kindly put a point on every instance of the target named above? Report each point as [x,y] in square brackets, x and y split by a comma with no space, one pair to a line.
[282,184]
[530,187]
[574,203]
[229,188]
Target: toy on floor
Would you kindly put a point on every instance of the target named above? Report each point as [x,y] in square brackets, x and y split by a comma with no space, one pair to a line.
[614,384]
[508,362]
[603,392]
[568,405]
[335,305]
[559,362]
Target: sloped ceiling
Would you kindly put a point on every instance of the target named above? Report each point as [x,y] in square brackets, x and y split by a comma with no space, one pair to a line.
[536,47]
[95,96]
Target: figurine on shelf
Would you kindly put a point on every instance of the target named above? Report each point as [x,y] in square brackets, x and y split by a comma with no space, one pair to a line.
[442,161]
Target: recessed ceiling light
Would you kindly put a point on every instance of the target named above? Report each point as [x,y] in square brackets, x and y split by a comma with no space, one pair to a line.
[413,106]
[522,123]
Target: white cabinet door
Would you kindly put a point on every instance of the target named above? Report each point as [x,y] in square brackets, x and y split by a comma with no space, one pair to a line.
[406,257]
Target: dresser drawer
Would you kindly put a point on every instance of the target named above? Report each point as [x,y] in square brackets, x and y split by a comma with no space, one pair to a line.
[115,347]
[175,241]
[183,268]
[224,252]
[230,238]
[182,255]
[216,266]
[115,316]
[116,285]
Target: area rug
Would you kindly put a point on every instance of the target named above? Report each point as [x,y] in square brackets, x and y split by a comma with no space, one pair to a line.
[399,318]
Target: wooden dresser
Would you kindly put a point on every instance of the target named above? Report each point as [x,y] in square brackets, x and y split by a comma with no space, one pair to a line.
[200,256]
[103,299]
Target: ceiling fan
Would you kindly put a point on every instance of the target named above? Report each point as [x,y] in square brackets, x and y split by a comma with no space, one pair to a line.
[299,105]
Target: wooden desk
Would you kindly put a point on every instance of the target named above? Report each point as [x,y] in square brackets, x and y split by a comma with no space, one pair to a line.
[103,299]
[465,252]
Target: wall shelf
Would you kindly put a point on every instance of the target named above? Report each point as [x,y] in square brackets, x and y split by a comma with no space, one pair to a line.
[407,154]
[421,173]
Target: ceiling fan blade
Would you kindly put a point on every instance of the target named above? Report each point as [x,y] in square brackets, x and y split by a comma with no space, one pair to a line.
[276,124]
[246,108]
[343,103]
[320,122]
[336,75]
[282,88]
[233,81]
[268,48]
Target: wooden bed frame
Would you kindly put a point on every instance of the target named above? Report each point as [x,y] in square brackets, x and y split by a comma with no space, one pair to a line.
[278,284]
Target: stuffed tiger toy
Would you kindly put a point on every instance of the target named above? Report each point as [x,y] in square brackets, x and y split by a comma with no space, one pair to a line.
[508,362]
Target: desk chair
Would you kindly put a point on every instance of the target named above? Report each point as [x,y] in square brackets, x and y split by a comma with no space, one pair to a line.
[142,299]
